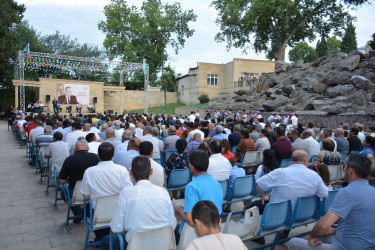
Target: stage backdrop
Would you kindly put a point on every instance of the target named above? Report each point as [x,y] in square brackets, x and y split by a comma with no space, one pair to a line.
[82,92]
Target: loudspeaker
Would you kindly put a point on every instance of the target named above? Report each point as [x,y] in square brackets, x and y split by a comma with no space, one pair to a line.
[48,98]
[95,100]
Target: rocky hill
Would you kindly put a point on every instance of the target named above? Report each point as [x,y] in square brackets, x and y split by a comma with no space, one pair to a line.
[334,84]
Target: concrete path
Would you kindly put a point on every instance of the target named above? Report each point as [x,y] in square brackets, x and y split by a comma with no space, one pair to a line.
[28,219]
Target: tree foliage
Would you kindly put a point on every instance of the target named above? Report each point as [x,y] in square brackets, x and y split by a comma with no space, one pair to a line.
[302,52]
[333,45]
[133,34]
[271,25]
[321,47]
[349,41]
[372,43]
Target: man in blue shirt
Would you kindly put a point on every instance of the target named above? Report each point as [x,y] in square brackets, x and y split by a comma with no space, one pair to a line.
[203,187]
[125,158]
[353,207]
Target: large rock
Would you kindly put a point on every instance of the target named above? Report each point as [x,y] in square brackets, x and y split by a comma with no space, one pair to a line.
[362,82]
[359,98]
[351,63]
[338,79]
[287,89]
[336,109]
[337,58]
[305,66]
[340,90]
[281,66]
[262,87]
[318,87]
[298,64]
[273,104]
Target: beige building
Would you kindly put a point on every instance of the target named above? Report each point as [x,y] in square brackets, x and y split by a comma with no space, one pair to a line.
[219,80]
[102,97]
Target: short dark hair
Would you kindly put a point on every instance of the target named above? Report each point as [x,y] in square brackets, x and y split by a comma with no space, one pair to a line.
[354,131]
[145,148]
[181,145]
[360,163]
[106,151]
[216,146]
[328,144]
[199,159]
[90,137]
[58,136]
[141,167]
[207,213]
[280,131]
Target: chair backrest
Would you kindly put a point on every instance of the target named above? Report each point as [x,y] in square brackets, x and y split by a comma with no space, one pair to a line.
[335,172]
[353,152]
[158,239]
[168,153]
[158,161]
[250,158]
[285,163]
[260,157]
[234,149]
[179,178]
[276,216]
[188,234]
[104,208]
[77,197]
[327,202]
[56,175]
[225,187]
[313,158]
[343,157]
[306,210]
[243,186]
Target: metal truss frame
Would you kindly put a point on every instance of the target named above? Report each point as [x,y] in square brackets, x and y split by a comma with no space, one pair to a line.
[19,70]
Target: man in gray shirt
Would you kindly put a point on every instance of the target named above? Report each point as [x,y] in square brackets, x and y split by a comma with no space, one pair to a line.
[170,140]
[297,143]
[254,133]
[111,137]
[342,143]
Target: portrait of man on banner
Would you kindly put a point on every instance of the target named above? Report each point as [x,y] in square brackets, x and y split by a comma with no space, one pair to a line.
[73,94]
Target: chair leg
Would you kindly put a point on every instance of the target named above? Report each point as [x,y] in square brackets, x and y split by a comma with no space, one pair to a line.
[69,229]
[87,239]
[275,240]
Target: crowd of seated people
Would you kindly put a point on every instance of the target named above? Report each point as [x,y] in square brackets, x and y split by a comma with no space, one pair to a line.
[125,154]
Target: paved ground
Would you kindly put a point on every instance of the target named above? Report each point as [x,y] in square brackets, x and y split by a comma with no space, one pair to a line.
[28,219]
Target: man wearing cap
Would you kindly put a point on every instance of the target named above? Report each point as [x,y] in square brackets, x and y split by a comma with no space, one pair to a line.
[219,133]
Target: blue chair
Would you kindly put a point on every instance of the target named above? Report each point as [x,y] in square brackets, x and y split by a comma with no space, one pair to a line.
[305,211]
[43,167]
[225,185]
[285,163]
[57,185]
[353,152]
[243,189]
[166,155]
[49,176]
[275,219]
[313,158]
[119,236]
[234,149]
[159,161]
[178,179]
[327,202]
[72,201]
[343,157]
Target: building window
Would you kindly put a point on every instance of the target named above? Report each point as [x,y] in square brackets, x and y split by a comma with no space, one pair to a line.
[195,79]
[211,79]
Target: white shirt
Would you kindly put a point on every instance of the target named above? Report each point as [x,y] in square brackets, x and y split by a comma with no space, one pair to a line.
[294,120]
[118,133]
[314,147]
[191,118]
[104,179]
[20,124]
[189,138]
[292,182]
[35,132]
[93,147]
[94,130]
[72,137]
[361,136]
[218,241]
[219,167]
[59,151]
[142,206]
[138,132]
[157,177]
[122,147]
[158,145]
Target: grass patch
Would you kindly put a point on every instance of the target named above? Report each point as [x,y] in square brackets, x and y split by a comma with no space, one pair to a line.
[170,110]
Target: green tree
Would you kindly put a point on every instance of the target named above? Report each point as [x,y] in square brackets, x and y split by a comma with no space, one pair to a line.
[333,45]
[372,43]
[133,34]
[349,41]
[302,52]
[11,13]
[321,47]
[271,25]
[168,81]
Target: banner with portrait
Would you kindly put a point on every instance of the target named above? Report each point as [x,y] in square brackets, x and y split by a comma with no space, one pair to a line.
[73,94]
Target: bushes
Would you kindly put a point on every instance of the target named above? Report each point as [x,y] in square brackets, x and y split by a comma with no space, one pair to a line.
[204,99]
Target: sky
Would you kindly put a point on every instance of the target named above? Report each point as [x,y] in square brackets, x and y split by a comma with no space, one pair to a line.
[80,18]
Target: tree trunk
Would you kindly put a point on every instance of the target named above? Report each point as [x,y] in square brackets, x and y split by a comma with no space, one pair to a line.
[165,95]
[280,54]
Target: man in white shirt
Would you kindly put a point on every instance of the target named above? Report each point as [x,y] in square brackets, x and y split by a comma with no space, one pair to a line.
[58,150]
[136,206]
[20,122]
[292,182]
[294,119]
[138,130]
[191,133]
[104,179]
[191,117]
[206,218]
[38,130]
[157,178]
[219,167]
[93,143]
[71,138]
[94,128]
[158,145]
[314,147]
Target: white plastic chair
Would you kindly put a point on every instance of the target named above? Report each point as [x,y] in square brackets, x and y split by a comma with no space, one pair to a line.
[246,228]
[161,238]
[77,197]
[335,172]
[250,159]
[188,234]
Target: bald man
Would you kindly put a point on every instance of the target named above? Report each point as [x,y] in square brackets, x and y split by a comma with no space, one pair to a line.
[342,143]
[194,144]
[170,140]
[292,182]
